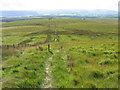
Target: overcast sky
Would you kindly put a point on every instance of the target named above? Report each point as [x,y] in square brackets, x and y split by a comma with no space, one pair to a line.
[58,4]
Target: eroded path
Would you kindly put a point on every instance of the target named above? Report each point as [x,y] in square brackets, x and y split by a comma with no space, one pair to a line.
[48,80]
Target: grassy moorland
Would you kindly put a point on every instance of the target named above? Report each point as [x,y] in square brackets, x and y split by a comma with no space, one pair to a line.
[83,53]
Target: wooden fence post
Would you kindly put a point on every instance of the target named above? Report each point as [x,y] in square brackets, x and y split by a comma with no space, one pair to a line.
[49,49]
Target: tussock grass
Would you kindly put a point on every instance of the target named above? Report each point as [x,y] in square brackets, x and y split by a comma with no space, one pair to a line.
[87,56]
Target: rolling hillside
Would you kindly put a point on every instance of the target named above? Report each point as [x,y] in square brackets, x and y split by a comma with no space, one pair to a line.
[60,53]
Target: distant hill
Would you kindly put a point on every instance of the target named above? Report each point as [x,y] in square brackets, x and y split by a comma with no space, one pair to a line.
[60,12]
[18,13]
[76,12]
